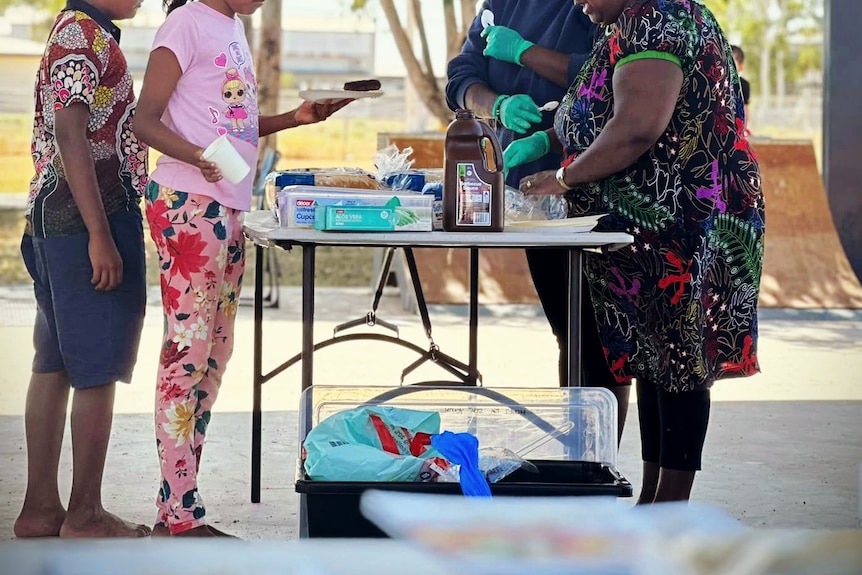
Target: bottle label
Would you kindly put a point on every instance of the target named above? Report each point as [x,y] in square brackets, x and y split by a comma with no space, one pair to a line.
[474,198]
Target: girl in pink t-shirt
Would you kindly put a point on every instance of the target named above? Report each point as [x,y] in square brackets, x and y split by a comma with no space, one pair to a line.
[199,85]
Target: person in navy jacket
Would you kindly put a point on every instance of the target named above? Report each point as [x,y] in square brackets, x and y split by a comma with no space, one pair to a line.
[506,72]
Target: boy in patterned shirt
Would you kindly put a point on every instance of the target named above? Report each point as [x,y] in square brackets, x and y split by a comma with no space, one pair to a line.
[83,246]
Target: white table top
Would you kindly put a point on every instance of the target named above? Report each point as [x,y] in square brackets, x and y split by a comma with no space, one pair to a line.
[262,228]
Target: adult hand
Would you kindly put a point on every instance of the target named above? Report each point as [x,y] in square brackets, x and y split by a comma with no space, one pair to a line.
[106,262]
[504,44]
[525,150]
[313,112]
[542,184]
[208,169]
[519,112]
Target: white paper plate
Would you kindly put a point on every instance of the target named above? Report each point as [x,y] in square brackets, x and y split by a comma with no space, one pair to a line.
[582,224]
[323,95]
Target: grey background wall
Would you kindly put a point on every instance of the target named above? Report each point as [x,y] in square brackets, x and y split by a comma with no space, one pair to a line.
[842,124]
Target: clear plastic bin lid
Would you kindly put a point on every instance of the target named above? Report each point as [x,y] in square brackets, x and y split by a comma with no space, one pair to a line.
[567,424]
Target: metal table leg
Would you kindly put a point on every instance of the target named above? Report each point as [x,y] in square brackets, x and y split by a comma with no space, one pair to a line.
[473,358]
[257,378]
[308,264]
[575,266]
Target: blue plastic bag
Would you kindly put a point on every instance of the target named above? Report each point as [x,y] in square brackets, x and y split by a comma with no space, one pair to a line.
[463,449]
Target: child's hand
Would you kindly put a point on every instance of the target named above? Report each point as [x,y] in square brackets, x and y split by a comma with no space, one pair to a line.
[209,169]
[106,262]
[313,112]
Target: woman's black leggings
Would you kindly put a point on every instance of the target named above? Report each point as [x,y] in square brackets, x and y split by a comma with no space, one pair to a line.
[673,426]
[550,271]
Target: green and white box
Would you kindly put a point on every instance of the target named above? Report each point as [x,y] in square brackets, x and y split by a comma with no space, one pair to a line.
[392,217]
[296,205]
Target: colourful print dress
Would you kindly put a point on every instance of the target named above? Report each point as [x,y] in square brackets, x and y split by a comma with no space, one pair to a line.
[679,306]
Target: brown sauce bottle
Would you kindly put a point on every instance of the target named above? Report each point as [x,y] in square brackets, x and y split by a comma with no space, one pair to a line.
[473,192]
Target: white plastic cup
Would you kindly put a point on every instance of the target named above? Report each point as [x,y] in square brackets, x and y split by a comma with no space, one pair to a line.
[221,152]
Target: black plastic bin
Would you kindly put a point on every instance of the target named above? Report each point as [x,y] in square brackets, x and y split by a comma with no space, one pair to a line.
[331,508]
[576,428]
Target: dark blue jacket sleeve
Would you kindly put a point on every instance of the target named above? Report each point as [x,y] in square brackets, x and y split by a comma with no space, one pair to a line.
[557,25]
[588,31]
[467,68]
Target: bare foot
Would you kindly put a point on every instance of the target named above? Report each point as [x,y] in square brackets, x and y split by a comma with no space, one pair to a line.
[44,522]
[100,523]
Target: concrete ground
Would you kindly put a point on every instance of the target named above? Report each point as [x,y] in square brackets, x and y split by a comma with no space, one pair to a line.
[783,450]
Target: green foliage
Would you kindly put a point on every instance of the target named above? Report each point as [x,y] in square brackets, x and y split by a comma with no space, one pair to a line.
[287,80]
[786,32]
[50,6]
[45,18]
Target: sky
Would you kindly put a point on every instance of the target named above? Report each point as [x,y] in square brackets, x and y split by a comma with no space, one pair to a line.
[387,60]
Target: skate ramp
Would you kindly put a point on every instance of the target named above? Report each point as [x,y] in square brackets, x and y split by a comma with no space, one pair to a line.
[805,265]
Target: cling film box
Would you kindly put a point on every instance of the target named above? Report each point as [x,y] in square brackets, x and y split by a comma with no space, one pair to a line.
[296,205]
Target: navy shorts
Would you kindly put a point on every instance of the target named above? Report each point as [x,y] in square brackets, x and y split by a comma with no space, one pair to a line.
[91,335]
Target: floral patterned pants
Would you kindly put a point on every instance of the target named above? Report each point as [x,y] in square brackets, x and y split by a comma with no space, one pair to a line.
[201,261]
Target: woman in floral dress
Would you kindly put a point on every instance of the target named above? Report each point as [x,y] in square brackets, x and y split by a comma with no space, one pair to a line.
[653,134]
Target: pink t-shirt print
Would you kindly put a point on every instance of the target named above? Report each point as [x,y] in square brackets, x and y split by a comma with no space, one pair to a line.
[234,94]
[216,94]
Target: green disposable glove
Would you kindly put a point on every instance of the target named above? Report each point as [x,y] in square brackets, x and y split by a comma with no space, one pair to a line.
[519,112]
[525,150]
[504,44]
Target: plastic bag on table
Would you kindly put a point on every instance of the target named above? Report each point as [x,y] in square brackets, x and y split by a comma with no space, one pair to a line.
[393,167]
[376,443]
[521,208]
[394,170]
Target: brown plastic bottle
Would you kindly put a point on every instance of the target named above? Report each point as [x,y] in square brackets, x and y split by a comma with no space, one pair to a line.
[473,193]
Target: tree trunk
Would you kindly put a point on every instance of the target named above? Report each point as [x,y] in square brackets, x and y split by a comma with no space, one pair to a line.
[780,77]
[248,26]
[269,64]
[765,75]
[468,14]
[423,81]
[451,25]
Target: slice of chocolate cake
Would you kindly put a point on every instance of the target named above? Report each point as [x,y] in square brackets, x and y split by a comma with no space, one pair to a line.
[362,85]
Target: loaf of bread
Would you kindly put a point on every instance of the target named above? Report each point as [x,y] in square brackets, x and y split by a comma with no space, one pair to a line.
[362,85]
[320,177]
[346,180]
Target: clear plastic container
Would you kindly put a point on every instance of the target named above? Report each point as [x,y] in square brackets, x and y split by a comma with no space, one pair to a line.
[569,434]
[562,424]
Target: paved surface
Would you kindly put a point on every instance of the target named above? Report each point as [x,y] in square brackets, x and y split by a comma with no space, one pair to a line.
[783,448]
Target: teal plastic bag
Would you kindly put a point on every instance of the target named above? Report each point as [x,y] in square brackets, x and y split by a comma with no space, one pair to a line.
[376,443]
